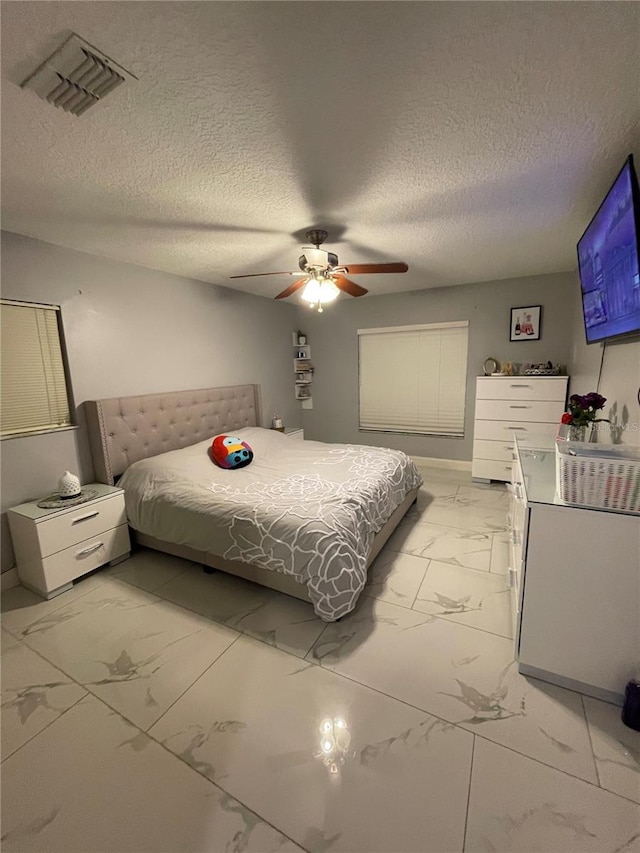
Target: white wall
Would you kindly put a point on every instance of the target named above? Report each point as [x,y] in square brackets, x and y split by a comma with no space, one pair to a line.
[620,378]
[487,306]
[132,330]
[619,381]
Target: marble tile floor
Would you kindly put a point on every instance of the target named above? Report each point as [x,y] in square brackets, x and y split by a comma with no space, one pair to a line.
[156,708]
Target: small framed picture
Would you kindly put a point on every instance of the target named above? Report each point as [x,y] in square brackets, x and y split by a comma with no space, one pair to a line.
[525,323]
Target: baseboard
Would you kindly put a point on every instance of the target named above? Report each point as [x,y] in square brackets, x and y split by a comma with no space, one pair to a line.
[571,684]
[9,579]
[435,462]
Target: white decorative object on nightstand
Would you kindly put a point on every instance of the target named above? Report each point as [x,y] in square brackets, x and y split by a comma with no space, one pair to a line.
[69,486]
[55,546]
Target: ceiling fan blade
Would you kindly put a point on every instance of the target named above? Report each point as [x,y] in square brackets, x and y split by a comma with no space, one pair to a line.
[360,269]
[256,274]
[292,288]
[348,286]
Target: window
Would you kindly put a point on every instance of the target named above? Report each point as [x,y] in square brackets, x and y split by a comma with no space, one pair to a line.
[413,378]
[33,387]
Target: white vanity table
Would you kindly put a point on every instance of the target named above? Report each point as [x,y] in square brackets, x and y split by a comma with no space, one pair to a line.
[576,579]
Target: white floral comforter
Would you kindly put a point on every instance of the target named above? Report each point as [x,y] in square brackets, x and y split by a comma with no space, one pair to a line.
[304,508]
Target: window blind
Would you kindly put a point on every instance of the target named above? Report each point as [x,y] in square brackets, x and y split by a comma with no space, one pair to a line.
[33,390]
[413,378]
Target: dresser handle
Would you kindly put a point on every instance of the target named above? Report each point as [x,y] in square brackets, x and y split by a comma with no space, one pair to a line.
[514,428]
[85,517]
[519,386]
[519,407]
[89,550]
[508,447]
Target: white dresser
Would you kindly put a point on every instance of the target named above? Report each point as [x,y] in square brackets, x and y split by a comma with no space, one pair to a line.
[512,404]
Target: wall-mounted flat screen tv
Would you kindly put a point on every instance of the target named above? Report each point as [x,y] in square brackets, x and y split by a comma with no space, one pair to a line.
[608,260]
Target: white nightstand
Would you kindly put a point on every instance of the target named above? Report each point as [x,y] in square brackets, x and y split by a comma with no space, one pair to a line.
[55,546]
[294,432]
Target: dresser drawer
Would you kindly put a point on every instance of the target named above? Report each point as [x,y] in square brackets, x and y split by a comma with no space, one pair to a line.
[499,451]
[522,388]
[506,410]
[85,556]
[501,430]
[489,469]
[84,521]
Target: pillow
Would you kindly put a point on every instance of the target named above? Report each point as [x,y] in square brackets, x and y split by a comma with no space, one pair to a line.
[228,451]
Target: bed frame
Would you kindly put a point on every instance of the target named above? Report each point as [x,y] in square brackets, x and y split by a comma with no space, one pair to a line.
[123,430]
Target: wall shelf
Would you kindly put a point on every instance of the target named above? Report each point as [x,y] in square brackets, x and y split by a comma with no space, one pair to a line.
[303,372]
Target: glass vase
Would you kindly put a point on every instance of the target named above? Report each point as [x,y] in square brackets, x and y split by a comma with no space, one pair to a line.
[574,432]
[577,432]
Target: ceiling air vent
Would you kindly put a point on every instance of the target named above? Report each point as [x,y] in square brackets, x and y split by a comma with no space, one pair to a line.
[76,76]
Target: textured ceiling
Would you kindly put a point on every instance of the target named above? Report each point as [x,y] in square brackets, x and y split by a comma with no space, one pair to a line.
[471,140]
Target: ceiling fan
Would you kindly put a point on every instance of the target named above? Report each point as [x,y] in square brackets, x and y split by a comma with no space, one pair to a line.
[324,277]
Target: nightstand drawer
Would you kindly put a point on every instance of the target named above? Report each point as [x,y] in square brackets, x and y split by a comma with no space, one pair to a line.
[292,432]
[85,556]
[84,521]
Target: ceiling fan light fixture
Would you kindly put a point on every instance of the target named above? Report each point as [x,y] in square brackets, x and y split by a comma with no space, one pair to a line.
[319,291]
[328,291]
[323,278]
[311,292]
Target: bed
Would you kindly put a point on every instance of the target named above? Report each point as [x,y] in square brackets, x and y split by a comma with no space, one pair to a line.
[304,518]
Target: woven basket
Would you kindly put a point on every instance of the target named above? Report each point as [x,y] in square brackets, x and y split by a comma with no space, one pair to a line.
[603,478]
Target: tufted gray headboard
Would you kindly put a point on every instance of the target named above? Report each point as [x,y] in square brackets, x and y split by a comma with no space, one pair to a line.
[123,430]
